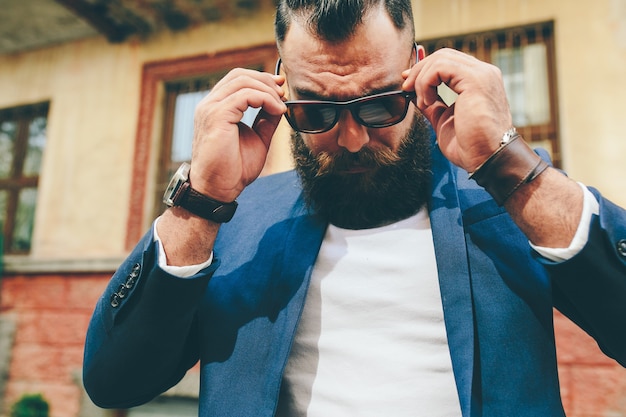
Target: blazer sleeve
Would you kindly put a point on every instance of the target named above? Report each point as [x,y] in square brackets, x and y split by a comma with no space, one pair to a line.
[590,288]
[140,340]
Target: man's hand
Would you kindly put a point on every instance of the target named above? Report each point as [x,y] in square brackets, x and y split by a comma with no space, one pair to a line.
[548,209]
[469,130]
[227,154]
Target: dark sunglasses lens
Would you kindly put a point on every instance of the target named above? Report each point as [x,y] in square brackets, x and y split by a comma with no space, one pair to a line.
[383,111]
[311,117]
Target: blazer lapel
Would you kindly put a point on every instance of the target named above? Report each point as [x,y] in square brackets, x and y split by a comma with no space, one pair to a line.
[454,276]
[303,242]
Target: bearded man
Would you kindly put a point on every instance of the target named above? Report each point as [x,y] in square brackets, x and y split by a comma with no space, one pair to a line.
[408,266]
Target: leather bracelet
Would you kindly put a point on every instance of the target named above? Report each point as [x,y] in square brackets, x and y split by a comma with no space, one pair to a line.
[512,165]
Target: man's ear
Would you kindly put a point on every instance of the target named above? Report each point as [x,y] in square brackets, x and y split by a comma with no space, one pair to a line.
[420,51]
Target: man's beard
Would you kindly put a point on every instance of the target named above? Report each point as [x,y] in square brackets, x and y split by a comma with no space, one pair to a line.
[394,185]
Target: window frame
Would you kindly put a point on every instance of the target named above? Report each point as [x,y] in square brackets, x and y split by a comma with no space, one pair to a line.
[16,180]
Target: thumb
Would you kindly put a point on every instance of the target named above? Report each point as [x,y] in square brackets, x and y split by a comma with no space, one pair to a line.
[437,113]
[265,126]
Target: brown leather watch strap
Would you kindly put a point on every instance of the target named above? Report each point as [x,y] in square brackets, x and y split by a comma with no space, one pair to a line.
[205,207]
[512,165]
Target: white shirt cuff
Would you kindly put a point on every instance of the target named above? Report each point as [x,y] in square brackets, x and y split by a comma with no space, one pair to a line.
[590,207]
[177,271]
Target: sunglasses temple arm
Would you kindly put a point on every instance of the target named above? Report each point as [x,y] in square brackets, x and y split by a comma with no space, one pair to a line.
[277,68]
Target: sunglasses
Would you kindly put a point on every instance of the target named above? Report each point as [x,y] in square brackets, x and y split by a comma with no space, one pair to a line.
[374,111]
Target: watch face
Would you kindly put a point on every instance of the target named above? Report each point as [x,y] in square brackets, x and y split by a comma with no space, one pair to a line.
[178,179]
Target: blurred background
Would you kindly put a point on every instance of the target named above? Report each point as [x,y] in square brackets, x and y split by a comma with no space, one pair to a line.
[96,110]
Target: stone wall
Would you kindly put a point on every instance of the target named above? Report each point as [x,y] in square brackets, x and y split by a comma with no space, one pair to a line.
[50,314]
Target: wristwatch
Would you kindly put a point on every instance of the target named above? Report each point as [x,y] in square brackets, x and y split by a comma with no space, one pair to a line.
[180,194]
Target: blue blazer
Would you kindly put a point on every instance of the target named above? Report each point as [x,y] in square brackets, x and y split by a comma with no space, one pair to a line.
[239,316]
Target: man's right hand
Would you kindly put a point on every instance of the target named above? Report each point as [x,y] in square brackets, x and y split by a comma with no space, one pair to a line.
[227,154]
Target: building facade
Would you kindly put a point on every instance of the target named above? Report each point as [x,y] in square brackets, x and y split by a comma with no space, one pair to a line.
[91,127]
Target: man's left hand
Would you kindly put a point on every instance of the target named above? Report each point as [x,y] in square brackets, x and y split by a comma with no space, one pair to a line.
[470,129]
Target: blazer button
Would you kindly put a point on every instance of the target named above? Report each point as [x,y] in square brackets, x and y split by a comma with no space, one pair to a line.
[115,300]
[130,282]
[621,248]
[122,291]
[135,271]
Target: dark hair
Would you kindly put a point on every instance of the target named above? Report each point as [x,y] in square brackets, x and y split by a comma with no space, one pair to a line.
[337,20]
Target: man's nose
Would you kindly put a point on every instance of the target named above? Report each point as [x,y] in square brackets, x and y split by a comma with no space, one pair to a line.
[352,135]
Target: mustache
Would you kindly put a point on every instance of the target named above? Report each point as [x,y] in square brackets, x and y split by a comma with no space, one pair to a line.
[328,163]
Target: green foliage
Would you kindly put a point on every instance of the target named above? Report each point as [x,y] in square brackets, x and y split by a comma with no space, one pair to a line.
[30,405]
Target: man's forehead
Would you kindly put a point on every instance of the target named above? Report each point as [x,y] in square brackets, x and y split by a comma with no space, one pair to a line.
[342,69]
[333,76]
[332,79]
[375,41]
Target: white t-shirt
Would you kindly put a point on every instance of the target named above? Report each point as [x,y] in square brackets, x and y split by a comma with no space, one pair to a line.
[372,340]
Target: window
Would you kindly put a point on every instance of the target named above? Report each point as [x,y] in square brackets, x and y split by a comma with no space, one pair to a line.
[22,142]
[525,55]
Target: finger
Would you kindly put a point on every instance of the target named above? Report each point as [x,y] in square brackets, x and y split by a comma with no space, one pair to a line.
[241,78]
[252,90]
[456,69]
[231,109]
[265,125]
[245,98]
[437,113]
[424,80]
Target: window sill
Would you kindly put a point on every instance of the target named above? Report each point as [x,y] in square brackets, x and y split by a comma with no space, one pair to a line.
[26,264]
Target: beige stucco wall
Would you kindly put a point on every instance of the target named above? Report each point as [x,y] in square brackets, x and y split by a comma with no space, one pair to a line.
[94,90]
